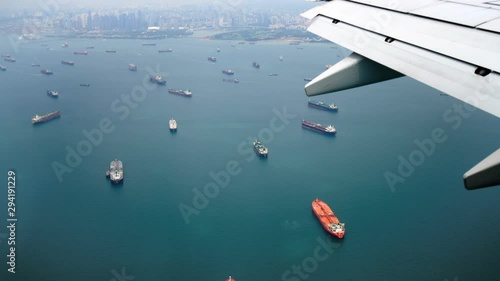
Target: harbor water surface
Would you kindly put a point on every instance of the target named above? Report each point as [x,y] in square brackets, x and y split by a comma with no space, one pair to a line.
[257,222]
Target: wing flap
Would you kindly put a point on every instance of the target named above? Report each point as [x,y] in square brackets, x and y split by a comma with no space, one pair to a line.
[444,73]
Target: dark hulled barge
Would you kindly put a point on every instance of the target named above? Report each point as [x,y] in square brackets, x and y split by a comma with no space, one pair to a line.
[330,130]
[44,118]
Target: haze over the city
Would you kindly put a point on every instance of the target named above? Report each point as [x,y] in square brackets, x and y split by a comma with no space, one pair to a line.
[96,4]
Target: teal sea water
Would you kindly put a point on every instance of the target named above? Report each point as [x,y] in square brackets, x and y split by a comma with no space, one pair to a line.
[260,226]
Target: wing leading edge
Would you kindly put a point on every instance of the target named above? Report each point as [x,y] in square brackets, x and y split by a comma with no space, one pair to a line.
[453,48]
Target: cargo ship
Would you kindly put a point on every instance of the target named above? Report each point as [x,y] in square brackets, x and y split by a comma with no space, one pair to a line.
[132,67]
[157,79]
[330,130]
[260,149]
[148,44]
[115,171]
[110,51]
[81,53]
[228,72]
[90,47]
[184,93]
[231,80]
[44,118]
[84,85]
[212,59]
[35,65]
[3,68]
[52,93]
[256,64]
[172,124]
[328,219]
[68,62]
[273,74]
[322,105]
[5,56]
[46,71]
[165,51]
[10,59]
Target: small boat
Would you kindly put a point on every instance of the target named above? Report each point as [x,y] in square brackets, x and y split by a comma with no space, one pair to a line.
[256,64]
[52,93]
[172,124]
[132,67]
[65,45]
[3,68]
[212,59]
[218,50]
[308,79]
[115,171]
[259,148]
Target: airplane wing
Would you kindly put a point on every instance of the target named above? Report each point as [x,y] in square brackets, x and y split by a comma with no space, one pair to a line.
[451,45]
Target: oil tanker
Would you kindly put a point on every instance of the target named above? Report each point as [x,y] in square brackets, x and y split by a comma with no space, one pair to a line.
[40,119]
[328,219]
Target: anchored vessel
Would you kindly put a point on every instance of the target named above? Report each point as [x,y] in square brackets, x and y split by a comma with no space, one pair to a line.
[52,93]
[256,64]
[231,80]
[259,148]
[184,93]
[81,53]
[132,67]
[40,119]
[110,51]
[46,71]
[68,62]
[85,85]
[212,59]
[3,68]
[273,74]
[10,59]
[218,50]
[328,219]
[319,128]
[172,124]
[228,72]
[157,79]
[35,65]
[308,79]
[322,105]
[148,44]
[165,51]
[115,171]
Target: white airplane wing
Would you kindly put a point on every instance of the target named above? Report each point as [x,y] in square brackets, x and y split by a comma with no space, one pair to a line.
[451,45]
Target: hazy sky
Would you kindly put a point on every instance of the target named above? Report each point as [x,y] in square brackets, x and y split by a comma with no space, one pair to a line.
[96,4]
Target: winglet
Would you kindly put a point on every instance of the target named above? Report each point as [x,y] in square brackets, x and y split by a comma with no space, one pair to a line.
[485,174]
[353,71]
